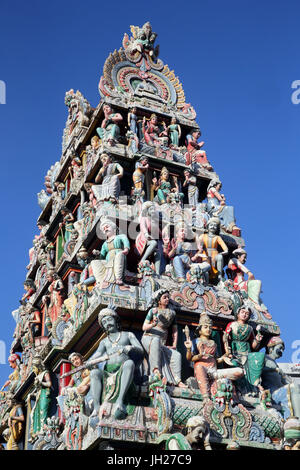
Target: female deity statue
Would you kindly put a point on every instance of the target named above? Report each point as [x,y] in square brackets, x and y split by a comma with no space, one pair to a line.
[109,176]
[15,423]
[132,120]
[91,154]
[174,131]
[55,298]
[163,186]
[148,242]
[43,384]
[194,153]
[180,251]
[193,192]
[138,178]
[240,341]
[112,264]
[205,362]
[67,223]
[164,361]
[216,207]
[153,135]
[30,289]
[110,131]
[14,378]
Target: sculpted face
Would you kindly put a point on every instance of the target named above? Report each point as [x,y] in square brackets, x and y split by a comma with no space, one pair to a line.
[109,230]
[213,227]
[206,330]
[76,361]
[278,350]
[164,300]
[109,323]
[242,258]
[243,315]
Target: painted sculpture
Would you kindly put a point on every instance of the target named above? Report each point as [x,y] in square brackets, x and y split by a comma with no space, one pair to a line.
[41,395]
[109,176]
[110,131]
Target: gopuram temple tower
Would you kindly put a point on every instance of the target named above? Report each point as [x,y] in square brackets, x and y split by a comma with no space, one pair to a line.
[141,326]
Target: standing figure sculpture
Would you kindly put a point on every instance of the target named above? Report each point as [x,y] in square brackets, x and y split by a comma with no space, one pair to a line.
[14,378]
[205,361]
[109,132]
[15,423]
[209,245]
[193,192]
[112,383]
[112,264]
[67,224]
[109,176]
[148,241]
[138,177]
[174,131]
[54,299]
[165,192]
[40,410]
[164,361]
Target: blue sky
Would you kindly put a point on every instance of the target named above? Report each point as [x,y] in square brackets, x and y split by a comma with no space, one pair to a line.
[236,60]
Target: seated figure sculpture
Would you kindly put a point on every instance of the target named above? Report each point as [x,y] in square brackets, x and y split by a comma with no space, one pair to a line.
[119,367]
[164,361]
[216,206]
[109,132]
[109,176]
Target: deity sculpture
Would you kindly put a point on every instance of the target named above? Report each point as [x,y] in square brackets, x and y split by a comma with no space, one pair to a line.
[236,271]
[165,192]
[109,176]
[284,394]
[240,344]
[13,381]
[174,131]
[208,248]
[54,299]
[41,394]
[194,153]
[216,206]
[154,135]
[38,242]
[112,264]
[67,223]
[91,154]
[164,361]
[193,192]
[119,368]
[138,177]
[148,241]
[57,197]
[132,120]
[16,421]
[30,290]
[91,196]
[110,131]
[205,362]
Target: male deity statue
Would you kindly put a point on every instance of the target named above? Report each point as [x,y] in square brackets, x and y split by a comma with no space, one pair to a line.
[119,368]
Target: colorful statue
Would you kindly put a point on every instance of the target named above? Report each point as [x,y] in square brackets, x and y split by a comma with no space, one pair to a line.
[163,186]
[54,299]
[40,410]
[193,192]
[91,154]
[148,241]
[174,131]
[132,120]
[164,361]
[13,381]
[138,177]
[67,223]
[109,131]
[216,206]
[154,135]
[194,154]
[30,290]
[285,395]
[209,245]
[15,423]
[240,341]
[112,264]
[112,383]
[236,271]
[109,176]
[205,361]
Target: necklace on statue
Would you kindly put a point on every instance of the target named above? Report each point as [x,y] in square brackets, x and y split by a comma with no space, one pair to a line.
[114,342]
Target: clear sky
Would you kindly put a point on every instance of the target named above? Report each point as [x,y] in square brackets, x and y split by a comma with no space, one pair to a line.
[236,59]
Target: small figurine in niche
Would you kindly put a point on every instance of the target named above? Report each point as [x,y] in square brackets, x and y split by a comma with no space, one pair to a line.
[216,206]
[174,131]
[109,176]
[110,131]
[112,264]
[75,169]
[148,240]
[67,223]
[194,153]
[55,298]
[205,362]
[153,135]
[163,186]
[132,120]
[119,367]
[193,191]
[208,248]
[91,154]
[138,177]
[164,361]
